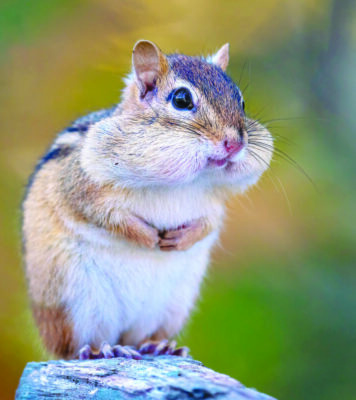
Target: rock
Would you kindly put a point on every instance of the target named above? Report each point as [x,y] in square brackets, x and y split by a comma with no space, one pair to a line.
[162,377]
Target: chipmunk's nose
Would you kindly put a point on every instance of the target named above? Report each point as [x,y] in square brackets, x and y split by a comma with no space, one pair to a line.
[232,146]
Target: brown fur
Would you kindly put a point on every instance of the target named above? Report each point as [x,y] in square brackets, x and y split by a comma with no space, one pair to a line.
[55,330]
[138,231]
[161,334]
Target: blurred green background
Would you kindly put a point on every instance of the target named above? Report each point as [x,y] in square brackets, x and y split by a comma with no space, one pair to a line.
[278,308]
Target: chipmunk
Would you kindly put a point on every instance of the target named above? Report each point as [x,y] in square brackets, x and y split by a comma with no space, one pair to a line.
[121,213]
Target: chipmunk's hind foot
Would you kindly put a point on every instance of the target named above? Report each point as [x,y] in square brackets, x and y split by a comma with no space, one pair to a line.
[163,347]
[153,348]
[107,351]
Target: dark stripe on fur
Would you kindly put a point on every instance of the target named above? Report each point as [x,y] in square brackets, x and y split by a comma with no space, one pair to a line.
[217,87]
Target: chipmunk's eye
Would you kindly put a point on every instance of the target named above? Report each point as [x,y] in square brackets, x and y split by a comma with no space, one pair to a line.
[182,99]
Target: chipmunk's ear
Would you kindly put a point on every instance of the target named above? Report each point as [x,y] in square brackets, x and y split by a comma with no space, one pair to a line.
[221,57]
[149,65]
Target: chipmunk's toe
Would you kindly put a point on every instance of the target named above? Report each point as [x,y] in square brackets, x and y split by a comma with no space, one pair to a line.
[164,347]
[85,352]
[107,351]
[126,352]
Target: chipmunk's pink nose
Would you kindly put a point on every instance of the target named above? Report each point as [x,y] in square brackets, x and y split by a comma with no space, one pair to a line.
[232,146]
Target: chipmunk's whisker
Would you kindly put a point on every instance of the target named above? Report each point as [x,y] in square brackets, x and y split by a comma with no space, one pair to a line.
[178,123]
[262,145]
[258,158]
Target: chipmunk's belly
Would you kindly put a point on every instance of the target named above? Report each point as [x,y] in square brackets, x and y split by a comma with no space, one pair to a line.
[118,288]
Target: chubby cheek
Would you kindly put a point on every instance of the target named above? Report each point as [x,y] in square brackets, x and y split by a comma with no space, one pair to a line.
[241,181]
[249,170]
[242,173]
[155,163]
[182,166]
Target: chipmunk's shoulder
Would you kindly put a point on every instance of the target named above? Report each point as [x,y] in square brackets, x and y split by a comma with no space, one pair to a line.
[82,124]
[68,139]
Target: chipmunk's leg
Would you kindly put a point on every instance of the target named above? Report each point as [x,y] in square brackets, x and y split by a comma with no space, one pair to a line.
[184,236]
[55,330]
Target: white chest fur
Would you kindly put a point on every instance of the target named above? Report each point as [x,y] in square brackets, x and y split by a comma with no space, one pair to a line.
[114,287]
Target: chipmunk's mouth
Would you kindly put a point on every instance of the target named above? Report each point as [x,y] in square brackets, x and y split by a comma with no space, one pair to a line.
[213,162]
[229,160]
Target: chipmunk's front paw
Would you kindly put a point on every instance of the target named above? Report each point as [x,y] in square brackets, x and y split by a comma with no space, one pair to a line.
[107,351]
[139,231]
[163,347]
[183,237]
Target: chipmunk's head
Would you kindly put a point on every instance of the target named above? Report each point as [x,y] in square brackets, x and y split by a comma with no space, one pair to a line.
[181,119]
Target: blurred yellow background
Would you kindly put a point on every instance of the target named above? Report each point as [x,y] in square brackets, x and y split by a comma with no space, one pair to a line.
[278,308]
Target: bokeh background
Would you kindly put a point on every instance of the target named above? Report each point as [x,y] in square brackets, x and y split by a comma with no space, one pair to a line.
[278,308]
